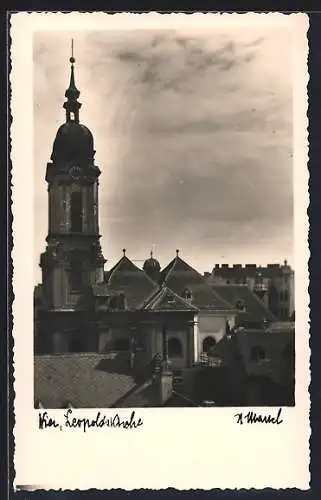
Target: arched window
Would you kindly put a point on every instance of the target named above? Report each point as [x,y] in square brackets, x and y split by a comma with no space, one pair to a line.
[285,295]
[76,212]
[121,344]
[208,342]
[75,345]
[257,353]
[76,276]
[174,347]
[281,295]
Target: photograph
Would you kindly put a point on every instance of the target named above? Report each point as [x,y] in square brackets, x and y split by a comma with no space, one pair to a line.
[163,249]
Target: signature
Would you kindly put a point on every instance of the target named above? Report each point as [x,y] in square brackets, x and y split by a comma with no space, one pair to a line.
[255,418]
[45,421]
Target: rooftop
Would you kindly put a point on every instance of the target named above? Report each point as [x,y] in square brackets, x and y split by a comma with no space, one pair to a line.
[254,308]
[83,380]
[178,276]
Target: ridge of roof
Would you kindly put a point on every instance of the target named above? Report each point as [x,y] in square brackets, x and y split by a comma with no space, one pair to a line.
[122,260]
[167,269]
[134,269]
[174,262]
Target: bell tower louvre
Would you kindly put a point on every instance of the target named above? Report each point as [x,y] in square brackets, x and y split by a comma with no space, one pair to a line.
[73,259]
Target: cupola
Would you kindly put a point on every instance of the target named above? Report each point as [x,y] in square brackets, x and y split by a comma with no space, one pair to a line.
[74,141]
[152,267]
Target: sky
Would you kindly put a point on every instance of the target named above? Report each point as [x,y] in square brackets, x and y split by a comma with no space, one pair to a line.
[193,135]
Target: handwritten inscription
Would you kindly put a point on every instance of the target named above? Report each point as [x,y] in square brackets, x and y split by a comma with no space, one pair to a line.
[255,418]
[70,421]
[46,422]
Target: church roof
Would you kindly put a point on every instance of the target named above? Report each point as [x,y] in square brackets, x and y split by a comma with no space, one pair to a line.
[165,299]
[127,278]
[85,380]
[254,308]
[178,275]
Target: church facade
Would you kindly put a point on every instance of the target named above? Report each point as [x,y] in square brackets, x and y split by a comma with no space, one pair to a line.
[80,306]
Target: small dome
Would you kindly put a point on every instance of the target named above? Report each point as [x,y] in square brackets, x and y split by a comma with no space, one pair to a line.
[73,142]
[151,264]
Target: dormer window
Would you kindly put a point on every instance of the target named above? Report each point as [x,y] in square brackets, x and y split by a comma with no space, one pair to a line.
[187,294]
[240,305]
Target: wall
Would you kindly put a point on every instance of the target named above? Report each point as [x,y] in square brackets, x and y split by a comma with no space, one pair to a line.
[211,325]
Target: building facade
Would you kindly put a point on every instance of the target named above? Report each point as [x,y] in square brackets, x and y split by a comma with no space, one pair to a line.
[273,284]
[131,337]
[82,307]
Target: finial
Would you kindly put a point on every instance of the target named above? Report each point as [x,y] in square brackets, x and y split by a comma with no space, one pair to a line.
[151,254]
[124,252]
[177,252]
[72,59]
[72,106]
[285,262]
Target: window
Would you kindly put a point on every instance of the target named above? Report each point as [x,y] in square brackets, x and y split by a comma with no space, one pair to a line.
[208,343]
[76,212]
[285,295]
[257,353]
[240,304]
[174,348]
[187,294]
[76,276]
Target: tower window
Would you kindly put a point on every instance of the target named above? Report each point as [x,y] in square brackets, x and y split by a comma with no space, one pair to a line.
[76,212]
[76,276]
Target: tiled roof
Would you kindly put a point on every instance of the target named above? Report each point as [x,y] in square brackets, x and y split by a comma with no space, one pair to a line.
[179,275]
[255,310]
[84,380]
[165,299]
[274,345]
[127,278]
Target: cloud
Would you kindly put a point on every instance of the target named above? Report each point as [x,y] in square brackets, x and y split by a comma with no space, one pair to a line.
[193,133]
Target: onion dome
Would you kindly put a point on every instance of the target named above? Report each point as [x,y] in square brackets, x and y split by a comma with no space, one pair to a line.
[74,141]
[152,267]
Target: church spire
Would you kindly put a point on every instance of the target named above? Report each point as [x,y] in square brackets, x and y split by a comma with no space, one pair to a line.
[72,106]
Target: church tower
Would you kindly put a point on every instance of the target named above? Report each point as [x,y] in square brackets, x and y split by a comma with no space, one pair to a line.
[73,259]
